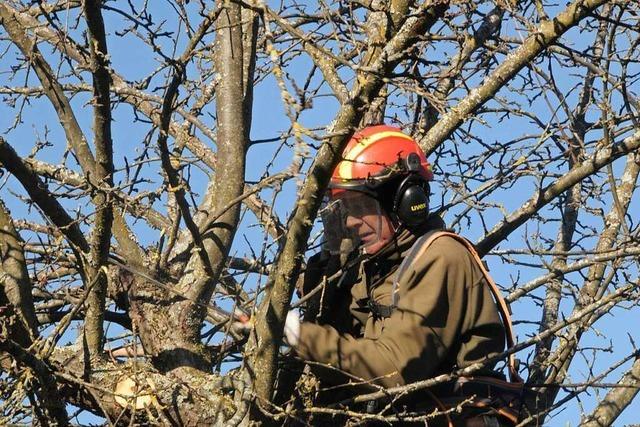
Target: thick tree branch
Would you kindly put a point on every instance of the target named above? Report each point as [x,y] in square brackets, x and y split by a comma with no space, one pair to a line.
[103,168]
[546,34]
[383,21]
[616,400]
[601,158]
[234,98]
[37,191]
[177,186]
[575,151]
[14,278]
[594,286]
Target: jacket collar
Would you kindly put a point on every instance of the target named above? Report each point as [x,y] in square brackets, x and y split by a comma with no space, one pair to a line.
[405,238]
[387,259]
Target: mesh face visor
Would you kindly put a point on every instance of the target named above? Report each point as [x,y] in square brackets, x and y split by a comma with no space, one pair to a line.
[351,219]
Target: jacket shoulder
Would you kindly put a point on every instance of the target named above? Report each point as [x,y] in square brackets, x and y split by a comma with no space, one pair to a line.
[445,262]
[446,248]
[446,256]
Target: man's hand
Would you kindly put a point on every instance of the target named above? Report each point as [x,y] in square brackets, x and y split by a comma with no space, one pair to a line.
[291,327]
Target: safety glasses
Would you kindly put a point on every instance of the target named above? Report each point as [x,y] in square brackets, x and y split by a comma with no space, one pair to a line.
[353,216]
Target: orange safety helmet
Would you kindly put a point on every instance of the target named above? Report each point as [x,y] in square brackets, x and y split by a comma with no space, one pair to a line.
[376,154]
[389,165]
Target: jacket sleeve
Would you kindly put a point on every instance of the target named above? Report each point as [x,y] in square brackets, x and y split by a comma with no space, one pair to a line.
[438,297]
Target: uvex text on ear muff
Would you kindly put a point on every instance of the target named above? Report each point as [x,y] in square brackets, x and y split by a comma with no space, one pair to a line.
[411,202]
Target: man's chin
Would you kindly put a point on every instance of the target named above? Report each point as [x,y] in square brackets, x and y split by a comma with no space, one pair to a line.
[374,247]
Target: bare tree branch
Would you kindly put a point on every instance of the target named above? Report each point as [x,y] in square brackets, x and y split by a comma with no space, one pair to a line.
[602,157]
[616,400]
[38,192]
[101,235]
[547,33]
[67,119]
[14,278]
[54,406]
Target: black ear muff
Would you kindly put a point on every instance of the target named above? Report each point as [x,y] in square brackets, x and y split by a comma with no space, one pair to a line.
[411,203]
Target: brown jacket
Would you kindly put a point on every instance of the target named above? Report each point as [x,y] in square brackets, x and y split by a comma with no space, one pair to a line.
[446,317]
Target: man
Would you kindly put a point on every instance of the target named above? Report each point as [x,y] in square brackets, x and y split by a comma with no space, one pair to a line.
[434,316]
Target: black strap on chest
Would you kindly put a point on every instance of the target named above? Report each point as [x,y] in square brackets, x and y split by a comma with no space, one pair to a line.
[380,310]
[378,270]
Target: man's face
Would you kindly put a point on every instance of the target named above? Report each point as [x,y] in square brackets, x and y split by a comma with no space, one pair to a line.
[364,219]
